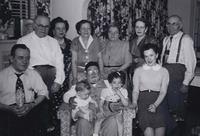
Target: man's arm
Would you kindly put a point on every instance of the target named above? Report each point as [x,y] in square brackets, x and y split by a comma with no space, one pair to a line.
[60,74]
[189,59]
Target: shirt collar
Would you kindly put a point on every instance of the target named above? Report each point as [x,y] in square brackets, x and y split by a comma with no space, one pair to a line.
[12,71]
[155,67]
[88,43]
[35,35]
[177,35]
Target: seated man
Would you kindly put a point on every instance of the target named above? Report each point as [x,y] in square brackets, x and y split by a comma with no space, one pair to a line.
[22,92]
[97,84]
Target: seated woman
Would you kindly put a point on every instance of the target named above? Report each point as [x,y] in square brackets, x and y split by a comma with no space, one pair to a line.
[97,84]
[116,55]
[150,87]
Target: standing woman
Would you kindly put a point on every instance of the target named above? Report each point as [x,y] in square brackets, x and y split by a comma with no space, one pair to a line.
[148,94]
[58,30]
[85,48]
[116,55]
[138,40]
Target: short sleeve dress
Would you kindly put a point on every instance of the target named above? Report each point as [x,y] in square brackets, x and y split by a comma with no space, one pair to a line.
[85,55]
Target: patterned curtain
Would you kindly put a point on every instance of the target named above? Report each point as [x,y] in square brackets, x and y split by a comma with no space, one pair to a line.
[124,12]
[43,7]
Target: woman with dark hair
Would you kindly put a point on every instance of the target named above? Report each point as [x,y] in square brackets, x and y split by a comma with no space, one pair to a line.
[116,55]
[150,83]
[58,30]
[85,48]
[138,40]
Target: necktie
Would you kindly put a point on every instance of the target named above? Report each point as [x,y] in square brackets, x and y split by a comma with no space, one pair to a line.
[167,50]
[20,95]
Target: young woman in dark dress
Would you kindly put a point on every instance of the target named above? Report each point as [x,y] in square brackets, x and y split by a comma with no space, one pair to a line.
[150,83]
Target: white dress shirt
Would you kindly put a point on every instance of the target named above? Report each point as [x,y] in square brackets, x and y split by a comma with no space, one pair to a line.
[32,83]
[187,54]
[45,51]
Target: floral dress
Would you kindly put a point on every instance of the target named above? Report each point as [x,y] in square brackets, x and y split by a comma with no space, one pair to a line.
[57,98]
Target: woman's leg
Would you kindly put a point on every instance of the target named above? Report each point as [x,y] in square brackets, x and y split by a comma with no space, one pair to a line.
[160,131]
[149,131]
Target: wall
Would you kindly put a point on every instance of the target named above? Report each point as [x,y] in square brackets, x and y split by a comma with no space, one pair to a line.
[183,9]
[74,10]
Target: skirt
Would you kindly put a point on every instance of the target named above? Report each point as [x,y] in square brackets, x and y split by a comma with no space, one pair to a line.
[147,118]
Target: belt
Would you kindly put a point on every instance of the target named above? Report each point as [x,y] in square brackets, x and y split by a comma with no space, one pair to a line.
[113,66]
[149,90]
[43,66]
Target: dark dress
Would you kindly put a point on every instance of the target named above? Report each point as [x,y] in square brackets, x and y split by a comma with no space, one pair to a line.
[57,98]
[147,118]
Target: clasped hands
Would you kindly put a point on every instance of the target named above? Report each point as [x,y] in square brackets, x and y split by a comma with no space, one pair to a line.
[151,108]
[21,111]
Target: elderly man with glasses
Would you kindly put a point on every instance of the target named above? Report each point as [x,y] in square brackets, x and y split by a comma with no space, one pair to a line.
[178,56]
[46,56]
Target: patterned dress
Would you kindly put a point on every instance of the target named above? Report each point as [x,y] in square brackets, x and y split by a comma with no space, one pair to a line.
[57,98]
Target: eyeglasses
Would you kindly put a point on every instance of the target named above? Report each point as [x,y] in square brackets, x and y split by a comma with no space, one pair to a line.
[172,24]
[92,71]
[43,26]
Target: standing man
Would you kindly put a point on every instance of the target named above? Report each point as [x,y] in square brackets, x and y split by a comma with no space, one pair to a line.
[47,59]
[46,55]
[178,56]
[22,92]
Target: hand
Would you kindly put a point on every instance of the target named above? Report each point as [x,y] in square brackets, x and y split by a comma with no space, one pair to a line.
[100,115]
[184,89]
[134,106]
[118,92]
[152,108]
[55,87]
[24,110]
[72,103]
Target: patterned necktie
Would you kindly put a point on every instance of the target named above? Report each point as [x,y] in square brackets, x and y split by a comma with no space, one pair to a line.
[20,95]
[167,50]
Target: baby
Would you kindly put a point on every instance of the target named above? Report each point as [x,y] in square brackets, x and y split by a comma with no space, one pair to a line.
[83,101]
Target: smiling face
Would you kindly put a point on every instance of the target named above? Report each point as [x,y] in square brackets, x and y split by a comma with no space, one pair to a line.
[41,26]
[174,25]
[60,30]
[150,57]
[93,74]
[20,60]
[140,28]
[113,33]
[84,94]
[116,83]
[85,30]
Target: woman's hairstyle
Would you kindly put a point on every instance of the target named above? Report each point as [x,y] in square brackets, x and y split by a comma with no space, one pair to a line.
[117,74]
[82,85]
[54,22]
[146,23]
[80,23]
[148,46]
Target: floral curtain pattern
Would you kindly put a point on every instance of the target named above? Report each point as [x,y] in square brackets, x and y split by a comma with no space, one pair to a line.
[43,7]
[125,12]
